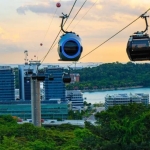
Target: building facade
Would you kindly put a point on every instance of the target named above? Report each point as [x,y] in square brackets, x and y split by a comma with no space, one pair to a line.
[119,99]
[52,107]
[75,77]
[54,89]
[76,99]
[22,109]
[144,98]
[17,94]
[24,83]
[7,84]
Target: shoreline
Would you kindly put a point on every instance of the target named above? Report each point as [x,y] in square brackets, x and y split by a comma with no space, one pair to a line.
[111,89]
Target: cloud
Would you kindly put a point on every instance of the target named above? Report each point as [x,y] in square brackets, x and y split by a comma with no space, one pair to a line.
[9,48]
[104,10]
[109,10]
[45,8]
[38,8]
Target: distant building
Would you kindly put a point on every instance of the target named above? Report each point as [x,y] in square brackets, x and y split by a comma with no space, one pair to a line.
[24,82]
[7,84]
[17,94]
[76,99]
[79,65]
[54,89]
[75,77]
[22,109]
[119,99]
[144,98]
[53,107]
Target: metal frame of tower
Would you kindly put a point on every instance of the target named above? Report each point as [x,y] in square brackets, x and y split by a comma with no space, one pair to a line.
[35,77]
[35,93]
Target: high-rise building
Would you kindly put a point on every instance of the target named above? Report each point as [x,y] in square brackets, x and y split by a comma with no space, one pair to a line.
[54,89]
[57,108]
[24,83]
[7,84]
[119,99]
[25,72]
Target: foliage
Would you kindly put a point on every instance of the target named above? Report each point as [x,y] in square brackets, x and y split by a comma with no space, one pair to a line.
[125,127]
[109,75]
[120,128]
[75,115]
[113,75]
[98,105]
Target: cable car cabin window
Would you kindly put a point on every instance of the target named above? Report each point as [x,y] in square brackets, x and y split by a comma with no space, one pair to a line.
[137,44]
[71,48]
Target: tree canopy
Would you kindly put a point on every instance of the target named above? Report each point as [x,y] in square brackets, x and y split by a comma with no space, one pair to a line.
[113,75]
[119,128]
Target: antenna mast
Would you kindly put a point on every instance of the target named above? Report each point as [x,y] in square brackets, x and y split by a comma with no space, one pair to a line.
[26,57]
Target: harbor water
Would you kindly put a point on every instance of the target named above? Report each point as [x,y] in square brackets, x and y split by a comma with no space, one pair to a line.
[99,97]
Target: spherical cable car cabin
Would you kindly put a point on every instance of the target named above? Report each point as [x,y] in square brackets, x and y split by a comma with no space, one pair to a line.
[69,45]
[66,78]
[40,75]
[33,76]
[30,71]
[50,77]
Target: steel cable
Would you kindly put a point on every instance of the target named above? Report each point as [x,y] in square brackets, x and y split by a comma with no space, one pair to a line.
[111,36]
[58,34]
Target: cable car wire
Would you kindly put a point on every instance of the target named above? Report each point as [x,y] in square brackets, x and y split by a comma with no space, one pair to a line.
[58,34]
[55,11]
[70,11]
[50,22]
[77,13]
[73,19]
[85,13]
[113,35]
[81,18]
[54,44]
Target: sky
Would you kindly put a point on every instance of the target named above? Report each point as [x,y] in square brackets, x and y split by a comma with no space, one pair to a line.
[24,24]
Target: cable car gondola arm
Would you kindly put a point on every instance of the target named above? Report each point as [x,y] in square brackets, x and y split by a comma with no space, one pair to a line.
[145,17]
[62,22]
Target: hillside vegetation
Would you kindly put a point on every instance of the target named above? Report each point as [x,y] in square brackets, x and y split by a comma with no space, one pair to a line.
[109,75]
[113,75]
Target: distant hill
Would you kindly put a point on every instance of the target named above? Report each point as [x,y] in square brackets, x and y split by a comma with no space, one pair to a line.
[113,75]
[64,64]
[109,75]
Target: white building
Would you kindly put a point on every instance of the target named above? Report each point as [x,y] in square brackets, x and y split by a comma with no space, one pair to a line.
[76,99]
[144,98]
[17,94]
[119,99]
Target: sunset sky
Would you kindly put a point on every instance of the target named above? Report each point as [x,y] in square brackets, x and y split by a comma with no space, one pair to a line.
[24,24]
